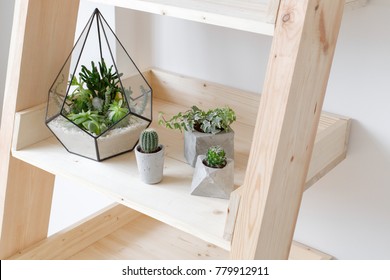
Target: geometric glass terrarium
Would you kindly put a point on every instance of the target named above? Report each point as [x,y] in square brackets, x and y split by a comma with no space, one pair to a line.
[100,101]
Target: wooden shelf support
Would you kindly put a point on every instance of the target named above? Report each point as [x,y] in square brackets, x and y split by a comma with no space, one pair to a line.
[43,34]
[295,84]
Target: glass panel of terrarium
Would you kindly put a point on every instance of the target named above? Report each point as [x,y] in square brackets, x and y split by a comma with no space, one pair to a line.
[62,85]
[122,137]
[74,139]
[91,47]
[138,91]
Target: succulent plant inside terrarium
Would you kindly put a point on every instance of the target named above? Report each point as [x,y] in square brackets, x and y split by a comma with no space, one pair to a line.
[98,107]
[97,100]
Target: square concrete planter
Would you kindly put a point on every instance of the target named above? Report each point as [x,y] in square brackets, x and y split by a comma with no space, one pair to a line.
[213,182]
[196,143]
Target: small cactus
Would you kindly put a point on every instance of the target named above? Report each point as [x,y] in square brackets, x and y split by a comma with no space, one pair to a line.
[216,157]
[148,140]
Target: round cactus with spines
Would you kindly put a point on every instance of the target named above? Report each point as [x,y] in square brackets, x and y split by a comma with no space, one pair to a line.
[148,140]
[216,157]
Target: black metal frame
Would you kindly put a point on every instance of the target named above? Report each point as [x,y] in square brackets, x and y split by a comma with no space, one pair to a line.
[101,25]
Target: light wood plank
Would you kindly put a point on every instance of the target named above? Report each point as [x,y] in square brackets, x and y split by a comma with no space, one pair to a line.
[118,233]
[256,16]
[32,67]
[169,201]
[246,15]
[188,91]
[79,236]
[30,127]
[330,147]
[298,70]
[146,238]
[300,251]
[185,212]
[27,205]
[272,10]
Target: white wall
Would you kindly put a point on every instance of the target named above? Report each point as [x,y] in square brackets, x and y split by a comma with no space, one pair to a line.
[6,18]
[345,214]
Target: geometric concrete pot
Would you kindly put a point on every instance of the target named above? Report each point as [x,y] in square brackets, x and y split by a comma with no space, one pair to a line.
[197,143]
[150,165]
[213,182]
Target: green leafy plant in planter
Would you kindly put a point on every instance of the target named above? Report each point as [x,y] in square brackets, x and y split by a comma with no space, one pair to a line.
[97,101]
[212,121]
[203,129]
[213,174]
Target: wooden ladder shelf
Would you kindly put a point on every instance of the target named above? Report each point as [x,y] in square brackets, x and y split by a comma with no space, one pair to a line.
[283,145]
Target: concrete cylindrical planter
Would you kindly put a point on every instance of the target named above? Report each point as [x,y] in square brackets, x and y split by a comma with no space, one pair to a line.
[213,182]
[196,143]
[150,166]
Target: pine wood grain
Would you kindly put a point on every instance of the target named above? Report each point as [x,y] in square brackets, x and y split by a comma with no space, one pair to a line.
[79,236]
[252,16]
[170,201]
[25,190]
[295,84]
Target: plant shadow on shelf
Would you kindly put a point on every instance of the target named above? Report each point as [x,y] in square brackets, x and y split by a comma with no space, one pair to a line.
[100,111]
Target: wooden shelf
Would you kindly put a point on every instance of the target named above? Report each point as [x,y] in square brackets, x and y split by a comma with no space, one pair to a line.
[146,238]
[248,15]
[170,201]
[119,233]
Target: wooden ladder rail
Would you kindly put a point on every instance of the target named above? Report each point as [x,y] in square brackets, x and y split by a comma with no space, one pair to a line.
[43,33]
[298,70]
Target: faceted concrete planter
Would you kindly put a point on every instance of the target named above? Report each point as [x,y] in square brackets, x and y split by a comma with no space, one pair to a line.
[213,182]
[196,143]
[150,166]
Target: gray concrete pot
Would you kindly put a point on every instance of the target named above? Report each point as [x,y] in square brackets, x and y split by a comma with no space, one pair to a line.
[213,182]
[150,166]
[196,143]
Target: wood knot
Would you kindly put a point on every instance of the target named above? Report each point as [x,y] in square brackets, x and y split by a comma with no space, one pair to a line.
[286,17]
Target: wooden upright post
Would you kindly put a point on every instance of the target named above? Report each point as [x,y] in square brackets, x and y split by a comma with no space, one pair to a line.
[298,70]
[42,37]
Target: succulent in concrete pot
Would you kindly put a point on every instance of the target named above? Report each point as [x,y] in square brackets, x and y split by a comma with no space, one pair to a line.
[150,157]
[215,157]
[213,174]
[148,141]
